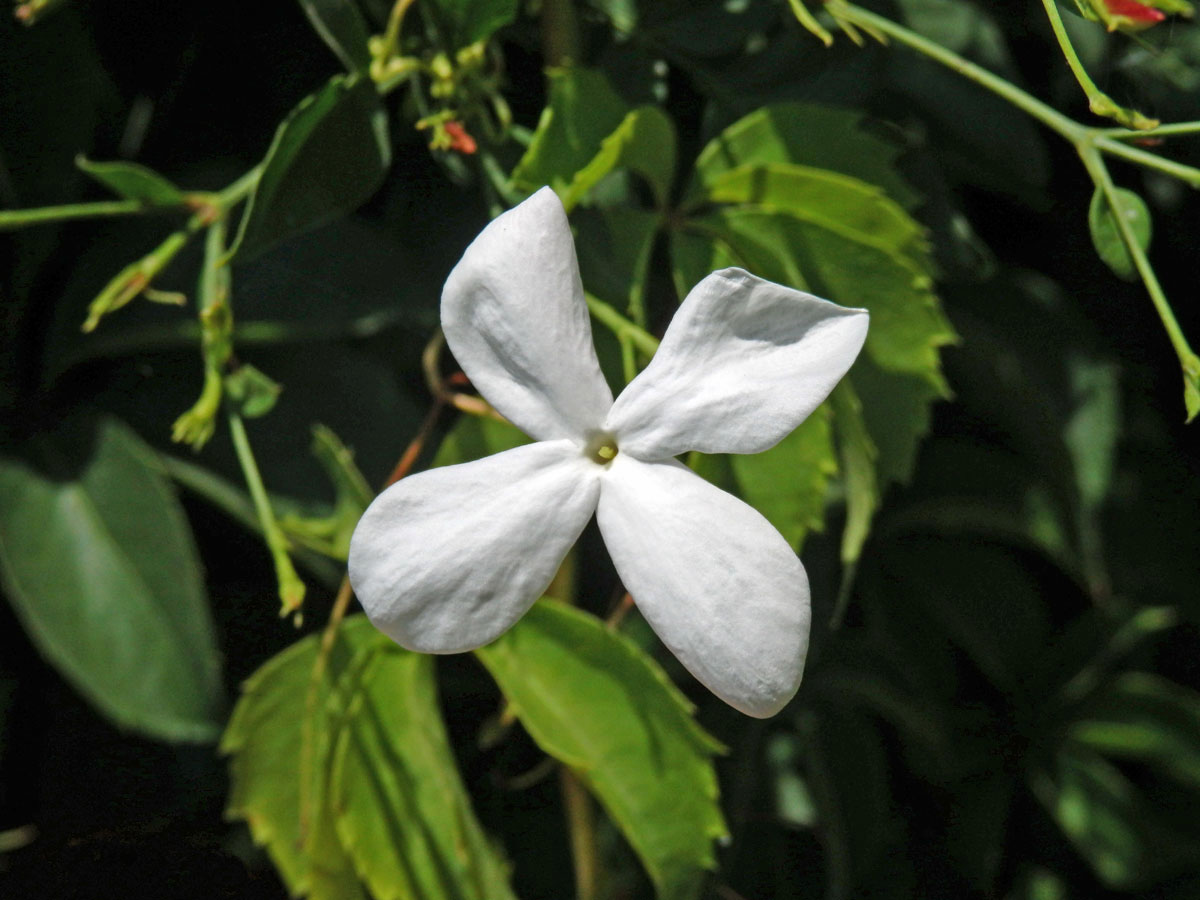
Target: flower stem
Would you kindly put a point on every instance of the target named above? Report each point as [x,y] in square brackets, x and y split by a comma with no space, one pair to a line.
[581,824]
[1043,112]
[291,588]
[1098,101]
[622,327]
[11,219]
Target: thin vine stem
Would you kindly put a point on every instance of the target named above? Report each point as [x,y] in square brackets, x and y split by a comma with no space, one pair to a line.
[11,219]
[291,588]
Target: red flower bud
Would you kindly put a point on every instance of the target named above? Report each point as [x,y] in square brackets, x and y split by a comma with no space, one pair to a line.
[1137,13]
[459,139]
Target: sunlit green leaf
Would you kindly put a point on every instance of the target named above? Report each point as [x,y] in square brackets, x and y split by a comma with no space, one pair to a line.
[342,27]
[400,807]
[133,182]
[98,561]
[820,137]
[858,454]
[591,699]
[644,143]
[474,437]
[787,483]
[328,156]
[1106,236]
[583,111]
[377,794]
[265,742]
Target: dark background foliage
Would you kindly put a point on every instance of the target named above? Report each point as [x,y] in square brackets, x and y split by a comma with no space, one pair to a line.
[927,721]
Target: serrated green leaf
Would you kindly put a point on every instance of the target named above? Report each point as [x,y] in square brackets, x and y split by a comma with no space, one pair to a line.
[328,156]
[1145,718]
[908,327]
[787,483]
[467,21]
[474,437]
[897,409]
[592,700]
[133,182]
[384,800]
[98,561]
[1106,236]
[644,143]
[343,28]
[401,810]
[803,134]
[265,739]
[582,112]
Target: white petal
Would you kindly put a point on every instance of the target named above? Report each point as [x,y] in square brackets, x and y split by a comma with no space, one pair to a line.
[743,363]
[449,559]
[515,317]
[719,585]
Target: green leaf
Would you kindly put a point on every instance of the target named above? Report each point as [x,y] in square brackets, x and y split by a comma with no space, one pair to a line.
[342,27]
[840,257]
[252,392]
[401,810]
[592,700]
[847,770]
[383,797]
[467,21]
[98,560]
[474,437]
[1146,718]
[787,483]
[1091,432]
[583,111]
[265,739]
[328,156]
[1112,825]
[615,246]
[858,455]
[897,409]
[133,182]
[804,134]
[1106,236]
[644,143]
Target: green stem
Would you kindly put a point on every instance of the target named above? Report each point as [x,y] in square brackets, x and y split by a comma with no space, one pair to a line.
[11,219]
[1187,174]
[628,361]
[1098,101]
[291,588]
[622,327]
[1094,163]
[581,825]
[1043,112]
[240,189]
[1176,128]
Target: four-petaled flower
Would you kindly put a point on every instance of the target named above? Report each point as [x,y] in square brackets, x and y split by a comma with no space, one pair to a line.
[447,560]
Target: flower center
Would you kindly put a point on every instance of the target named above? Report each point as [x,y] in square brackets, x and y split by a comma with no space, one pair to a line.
[601,447]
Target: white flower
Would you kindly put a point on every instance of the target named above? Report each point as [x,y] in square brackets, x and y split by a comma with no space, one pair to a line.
[447,560]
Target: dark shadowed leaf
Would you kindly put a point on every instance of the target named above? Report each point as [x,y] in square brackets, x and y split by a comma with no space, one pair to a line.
[328,156]
[99,563]
[342,27]
[1106,236]
[467,21]
[133,182]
